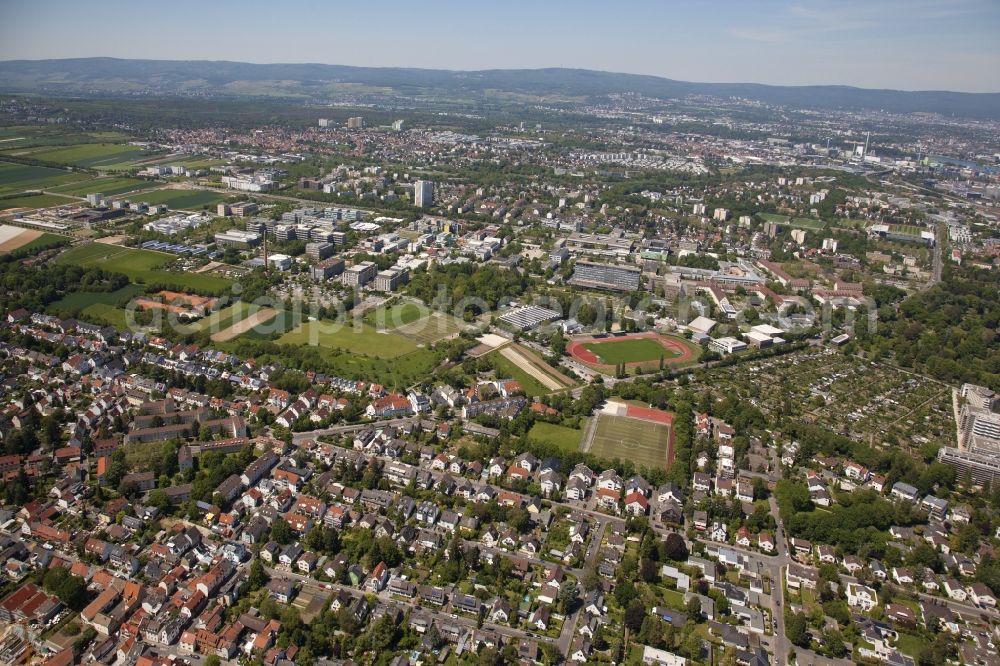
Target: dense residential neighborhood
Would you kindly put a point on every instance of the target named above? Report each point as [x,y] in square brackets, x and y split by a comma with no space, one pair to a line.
[505,367]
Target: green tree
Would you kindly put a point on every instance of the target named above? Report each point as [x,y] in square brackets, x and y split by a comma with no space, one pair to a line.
[257,577]
[281,531]
[796,629]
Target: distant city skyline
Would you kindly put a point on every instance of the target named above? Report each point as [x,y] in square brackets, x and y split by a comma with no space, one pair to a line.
[898,44]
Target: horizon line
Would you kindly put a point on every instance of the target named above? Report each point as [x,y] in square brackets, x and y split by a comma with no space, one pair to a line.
[504,69]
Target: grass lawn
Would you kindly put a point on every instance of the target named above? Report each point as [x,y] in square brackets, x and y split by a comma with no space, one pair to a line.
[393,369]
[567,439]
[82,299]
[803,222]
[394,373]
[640,350]
[221,319]
[362,339]
[142,266]
[97,307]
[20,177]
[911,644]
[642,442]
[101,313]
[186,199]
[674,598]
[139,456]
[430,329]
[807,223]
[397,315]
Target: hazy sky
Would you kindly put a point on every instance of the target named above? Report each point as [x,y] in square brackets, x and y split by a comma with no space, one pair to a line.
[904,44]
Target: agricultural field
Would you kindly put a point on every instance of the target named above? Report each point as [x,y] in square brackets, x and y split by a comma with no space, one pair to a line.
[107,186]
[35,136]
[144,266]
[42,242]
[183,199]
[20,177]
[35,201]
[621,437]
[94,155]
[14,239]
[567,439]
[362,339]
[191,162]
[861,399]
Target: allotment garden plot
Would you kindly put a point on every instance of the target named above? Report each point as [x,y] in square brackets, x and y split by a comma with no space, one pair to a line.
[866,400]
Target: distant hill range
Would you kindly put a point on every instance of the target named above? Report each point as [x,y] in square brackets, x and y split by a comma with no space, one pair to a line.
[81,76]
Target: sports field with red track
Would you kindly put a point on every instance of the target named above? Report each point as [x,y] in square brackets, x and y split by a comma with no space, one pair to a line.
[635,350]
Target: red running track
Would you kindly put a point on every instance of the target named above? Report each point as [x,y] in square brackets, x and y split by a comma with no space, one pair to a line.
[577,350]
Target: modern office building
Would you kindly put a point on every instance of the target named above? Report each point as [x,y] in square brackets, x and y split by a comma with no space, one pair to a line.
[357,122]
[391,278]
[319,251]
[241,209]
[360,275]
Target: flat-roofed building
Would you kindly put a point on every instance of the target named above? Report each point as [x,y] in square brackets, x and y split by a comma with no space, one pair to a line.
[979,430]
[327,269]
[758,340]
[727,345]
[238,239]
[241,209]
[360,274]
[613,245]
[319,251]
[391,278]
[605,276]
[528,317]
[423,193]
[984,468]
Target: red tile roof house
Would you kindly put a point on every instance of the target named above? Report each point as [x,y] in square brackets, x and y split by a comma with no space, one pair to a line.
[635,503]
[515,472]
[608,498]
